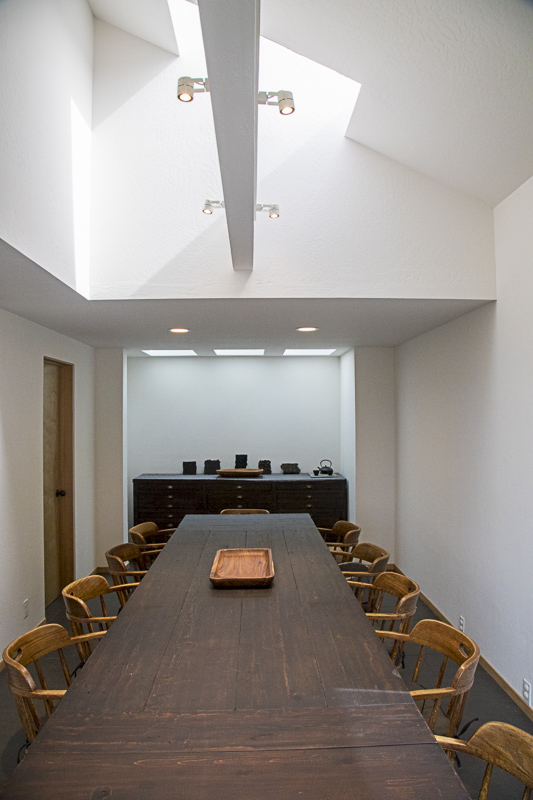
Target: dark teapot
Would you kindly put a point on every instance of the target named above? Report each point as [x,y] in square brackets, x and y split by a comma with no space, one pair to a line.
[326,467]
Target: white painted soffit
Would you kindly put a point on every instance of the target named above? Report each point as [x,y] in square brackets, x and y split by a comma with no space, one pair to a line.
[230,31]
[147,19]
[34,294]
[447,87]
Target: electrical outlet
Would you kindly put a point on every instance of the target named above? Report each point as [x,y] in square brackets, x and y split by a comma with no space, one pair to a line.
[526,691]
[26,608]
[462,624]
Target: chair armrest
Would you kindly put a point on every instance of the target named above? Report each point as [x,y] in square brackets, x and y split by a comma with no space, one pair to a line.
[431,694]
[148,546]
[123,587]
[374,615]
[340,545]
[447,743]
[324,530]
[87,637]
[132,572]
[45,694]
[167,530]
[403,637]
[89,620]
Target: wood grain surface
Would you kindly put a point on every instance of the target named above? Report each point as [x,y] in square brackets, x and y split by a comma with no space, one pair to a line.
[278,692]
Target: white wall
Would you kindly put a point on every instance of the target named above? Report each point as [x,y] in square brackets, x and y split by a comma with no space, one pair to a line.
[465,457]
[347,427]
[191,409]
[375,445]
[46,54]
[24,346]
[353,223]
[110,451]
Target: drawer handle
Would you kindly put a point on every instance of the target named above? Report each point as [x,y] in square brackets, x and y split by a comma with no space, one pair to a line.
[309,505]
[170,487]
[239,497]
[309,496]
[239,506]
[170,496]
[170,505]
[308,486]
[170,516]
[239,487]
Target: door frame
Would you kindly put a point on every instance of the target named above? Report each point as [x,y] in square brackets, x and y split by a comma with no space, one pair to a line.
[65,508]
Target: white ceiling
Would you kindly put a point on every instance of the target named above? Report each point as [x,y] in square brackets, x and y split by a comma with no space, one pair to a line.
[147,19]
[447,85]
[447,89]
[31,292]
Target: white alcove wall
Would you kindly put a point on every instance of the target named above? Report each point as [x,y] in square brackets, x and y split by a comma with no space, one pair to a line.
[191,409]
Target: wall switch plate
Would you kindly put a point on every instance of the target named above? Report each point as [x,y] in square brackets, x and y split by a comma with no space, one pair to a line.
[462,624]
[526,691]
[26,608]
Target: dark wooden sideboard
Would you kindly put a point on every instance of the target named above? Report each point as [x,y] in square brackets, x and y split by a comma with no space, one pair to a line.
[166,499]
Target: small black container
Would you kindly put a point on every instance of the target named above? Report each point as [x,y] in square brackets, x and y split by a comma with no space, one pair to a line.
[241,461]
[189,467]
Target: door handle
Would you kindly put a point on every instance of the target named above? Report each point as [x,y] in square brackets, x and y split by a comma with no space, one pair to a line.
[60,492]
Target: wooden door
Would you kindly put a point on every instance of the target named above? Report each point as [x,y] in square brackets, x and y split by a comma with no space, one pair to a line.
[57,478]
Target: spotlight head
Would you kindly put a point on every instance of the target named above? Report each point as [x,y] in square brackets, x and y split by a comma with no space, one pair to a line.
[274,212]
[207,209]
[185,89]
[285,103]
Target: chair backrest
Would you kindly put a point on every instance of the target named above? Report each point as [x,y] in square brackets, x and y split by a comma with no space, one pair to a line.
[453,644]
[139,533]
[119,559]
[500,745]
[27,650]
[341,529]
[371,554]
[75,596]
[244,511]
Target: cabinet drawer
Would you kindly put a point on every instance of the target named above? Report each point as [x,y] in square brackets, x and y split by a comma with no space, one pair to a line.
[193,500]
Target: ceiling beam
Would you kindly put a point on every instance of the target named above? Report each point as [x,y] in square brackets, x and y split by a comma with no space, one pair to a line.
[230,31]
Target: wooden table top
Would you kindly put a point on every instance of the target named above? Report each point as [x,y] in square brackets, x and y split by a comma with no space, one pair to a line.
[279,692]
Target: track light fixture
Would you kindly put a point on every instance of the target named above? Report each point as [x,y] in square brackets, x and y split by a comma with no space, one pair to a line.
[285,101]
[272,208]
[186,88]
[209,205]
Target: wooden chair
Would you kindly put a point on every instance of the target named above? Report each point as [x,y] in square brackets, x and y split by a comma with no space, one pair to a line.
[244,511]
[128,564]
[77,594]
[454,646]
[29,649]
[500,745]
[365,559]
[148,534]
[343,551]
[405,594]
[339,531]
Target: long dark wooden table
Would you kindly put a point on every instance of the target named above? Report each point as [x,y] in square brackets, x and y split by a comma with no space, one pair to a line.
[259,694]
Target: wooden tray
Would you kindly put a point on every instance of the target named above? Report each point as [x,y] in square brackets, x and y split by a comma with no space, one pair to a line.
[242,567]
[240,473]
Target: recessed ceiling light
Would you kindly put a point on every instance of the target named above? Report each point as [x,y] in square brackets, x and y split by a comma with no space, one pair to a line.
[179,330]
[240,352]
[170,352]
[306,330]
[309,352]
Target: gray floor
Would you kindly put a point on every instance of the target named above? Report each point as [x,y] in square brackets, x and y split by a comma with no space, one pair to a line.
[486,702]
